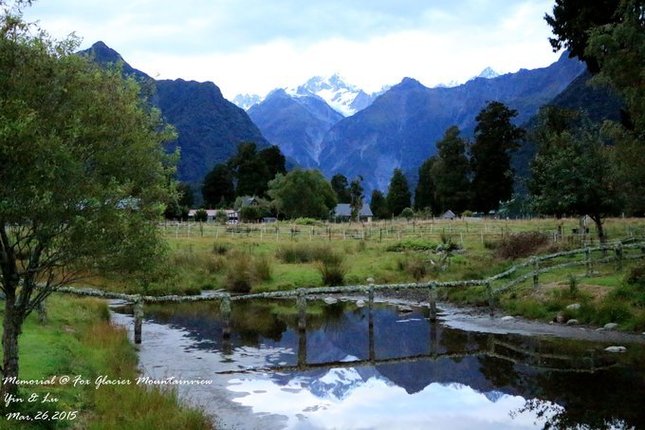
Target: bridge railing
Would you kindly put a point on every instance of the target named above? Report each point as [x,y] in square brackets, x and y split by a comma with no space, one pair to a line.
[515,275]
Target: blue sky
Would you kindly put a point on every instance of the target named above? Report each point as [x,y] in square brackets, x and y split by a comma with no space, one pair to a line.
[253,46]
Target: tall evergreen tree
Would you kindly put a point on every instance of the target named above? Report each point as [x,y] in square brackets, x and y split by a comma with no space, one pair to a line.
[218,189]
[495,138]
[398,195]
[450,173]
[340,185]
[356,197]
[424,194]
[274,160]
[249,170]
[378,205]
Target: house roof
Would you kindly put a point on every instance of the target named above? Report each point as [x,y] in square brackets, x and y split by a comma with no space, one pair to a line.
[345,210]
[448,214]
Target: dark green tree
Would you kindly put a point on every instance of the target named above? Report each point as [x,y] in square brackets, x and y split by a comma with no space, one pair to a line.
[398,194]
[495,138]
[340,185]
[356,197]
[178,208]
[572,21]
[302,193]
[378,205]
[424,195]
[83,178]
[571,172]
[274,160]
[450,173]
[218,189]
[249,170]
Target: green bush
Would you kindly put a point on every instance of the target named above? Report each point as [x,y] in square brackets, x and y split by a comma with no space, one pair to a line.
[306,221]
[412,245]
[263,268]
[201,215]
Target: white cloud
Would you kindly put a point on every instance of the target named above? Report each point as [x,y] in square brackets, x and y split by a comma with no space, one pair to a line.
[255,46]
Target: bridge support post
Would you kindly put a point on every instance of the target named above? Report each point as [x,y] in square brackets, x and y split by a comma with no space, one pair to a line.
[225,313]
[491,298]
[302,310]
[370,324]
[536,272]
[301,303]
[588,261]
[432,302]
[138,320]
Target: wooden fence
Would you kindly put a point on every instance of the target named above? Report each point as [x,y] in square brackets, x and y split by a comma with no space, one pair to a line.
[531,268]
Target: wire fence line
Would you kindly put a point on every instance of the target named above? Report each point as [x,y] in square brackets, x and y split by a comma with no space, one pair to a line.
[380,231]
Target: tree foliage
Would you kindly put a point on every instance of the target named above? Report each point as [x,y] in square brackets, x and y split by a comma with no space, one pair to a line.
[572,174]
[302,193]
[450,173]
[378,205]
[83,175]
[398,194]
[571,22]
[495,138]
[340,185]
[218,189]
[425,192]
[356,197]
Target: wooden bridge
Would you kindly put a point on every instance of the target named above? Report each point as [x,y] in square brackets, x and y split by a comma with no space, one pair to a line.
[531,268]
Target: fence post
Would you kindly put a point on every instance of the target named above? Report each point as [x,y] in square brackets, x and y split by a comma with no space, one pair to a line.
[536,272]
[138,319]
[491,298]
[432,301]
[588,261]
[225,312]
[302,310]
[619,256]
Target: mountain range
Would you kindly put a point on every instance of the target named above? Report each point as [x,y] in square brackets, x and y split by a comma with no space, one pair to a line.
[328,124]
[400,128]
[208,126]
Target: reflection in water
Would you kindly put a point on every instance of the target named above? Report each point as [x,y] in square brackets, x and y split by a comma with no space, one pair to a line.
[381,370]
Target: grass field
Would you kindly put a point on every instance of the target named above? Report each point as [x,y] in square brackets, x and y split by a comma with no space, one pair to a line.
[77,340]
[307,253]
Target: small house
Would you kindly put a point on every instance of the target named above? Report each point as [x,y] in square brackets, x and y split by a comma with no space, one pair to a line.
[343,213]
[448,215]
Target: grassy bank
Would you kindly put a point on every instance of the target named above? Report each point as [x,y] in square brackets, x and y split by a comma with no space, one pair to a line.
[283,256]
[77,340]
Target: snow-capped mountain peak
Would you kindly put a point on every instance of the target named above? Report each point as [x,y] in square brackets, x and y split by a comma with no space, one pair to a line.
[488,73]
[336,92]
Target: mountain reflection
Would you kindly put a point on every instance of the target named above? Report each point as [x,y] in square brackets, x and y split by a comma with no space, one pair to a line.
[339,373]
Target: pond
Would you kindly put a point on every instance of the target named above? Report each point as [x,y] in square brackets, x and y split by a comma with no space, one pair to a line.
[388,368]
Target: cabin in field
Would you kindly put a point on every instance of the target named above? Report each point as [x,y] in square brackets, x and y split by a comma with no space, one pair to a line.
[343,213]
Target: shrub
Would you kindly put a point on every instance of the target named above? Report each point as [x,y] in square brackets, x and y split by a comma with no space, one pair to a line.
[263,268]
[412,245]
[521,245]
[636,276]
[221,217]
[306,221]
[220,248]
[467,213]
[332,271]
[238,276]
[201,215]
[407,213]
[305,253]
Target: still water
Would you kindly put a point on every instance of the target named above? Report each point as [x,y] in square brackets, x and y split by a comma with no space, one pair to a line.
[353,368]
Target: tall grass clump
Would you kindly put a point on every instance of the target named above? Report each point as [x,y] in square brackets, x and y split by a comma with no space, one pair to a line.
[263,268]
[332,270]
[239,273]
[296,253]
[520,245]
